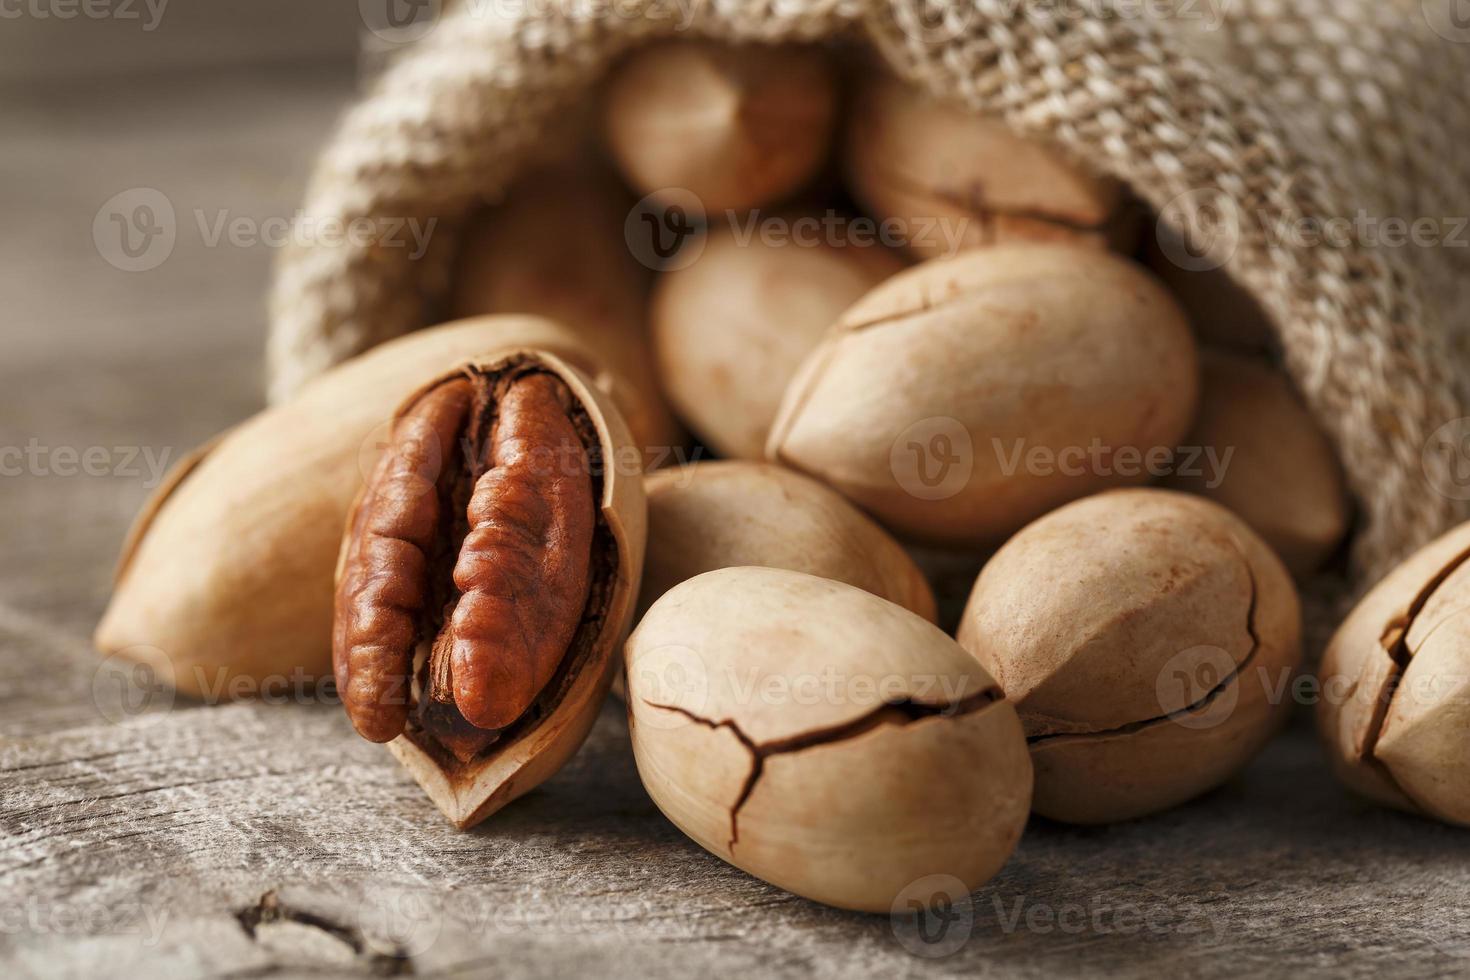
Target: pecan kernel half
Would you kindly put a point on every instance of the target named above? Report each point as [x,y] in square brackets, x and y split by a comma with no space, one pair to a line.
[468,564]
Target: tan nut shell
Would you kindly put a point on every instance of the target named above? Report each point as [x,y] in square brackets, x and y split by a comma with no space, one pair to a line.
[947,369]
[1395,708]
[556,249]
[529,754]
[227,572]
[872,800]
[1278,472]
[740,127]
[957,180]
[731,329]
[1147,639]
[716,515]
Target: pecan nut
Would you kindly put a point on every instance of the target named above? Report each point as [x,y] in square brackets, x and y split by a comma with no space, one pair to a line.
[226,580]
[485,568]
[1394,704]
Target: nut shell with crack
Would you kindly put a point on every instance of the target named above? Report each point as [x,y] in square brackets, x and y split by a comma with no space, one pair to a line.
[964,397]
[724,364]
[825,740]
[1395,705]
[1148,639]
[952,179]
[487,576]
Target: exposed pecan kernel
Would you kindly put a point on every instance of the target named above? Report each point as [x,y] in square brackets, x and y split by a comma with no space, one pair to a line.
[469,562]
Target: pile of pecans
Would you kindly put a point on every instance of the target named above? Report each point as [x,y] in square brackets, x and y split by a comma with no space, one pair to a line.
[948,356]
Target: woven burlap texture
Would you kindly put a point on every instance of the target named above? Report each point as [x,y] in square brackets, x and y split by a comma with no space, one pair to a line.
[1237,120]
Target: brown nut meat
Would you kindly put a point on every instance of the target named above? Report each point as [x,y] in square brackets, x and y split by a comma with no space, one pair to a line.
[486,576]
[1395,705]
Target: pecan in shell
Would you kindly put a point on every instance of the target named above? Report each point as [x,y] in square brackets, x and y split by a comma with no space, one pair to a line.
[468,565]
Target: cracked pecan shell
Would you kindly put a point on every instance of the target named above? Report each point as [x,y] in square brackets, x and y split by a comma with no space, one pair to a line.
[957,180]
[486,576]
[966,396]
[1148,639]
[823,739]
[1395,686]
[225,582]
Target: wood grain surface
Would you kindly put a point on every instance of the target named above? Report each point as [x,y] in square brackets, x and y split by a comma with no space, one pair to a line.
[143,836]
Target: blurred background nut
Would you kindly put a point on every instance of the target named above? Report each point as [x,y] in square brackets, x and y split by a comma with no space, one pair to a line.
[730,330]
[966,396]
[955,179]
[1147,639]
[556,249]
[1395,707]
[715,515]
[228,569]
[835,745]
[740,127]
[1267,460]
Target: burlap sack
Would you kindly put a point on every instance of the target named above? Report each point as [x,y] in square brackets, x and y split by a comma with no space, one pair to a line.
[1242,121]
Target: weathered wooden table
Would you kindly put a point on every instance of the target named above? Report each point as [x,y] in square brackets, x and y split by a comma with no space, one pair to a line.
[167,839]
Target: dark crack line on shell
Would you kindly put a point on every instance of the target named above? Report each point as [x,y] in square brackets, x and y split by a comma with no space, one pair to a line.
[907,713]
[1395,635]
[1395,642]
[1198,706]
